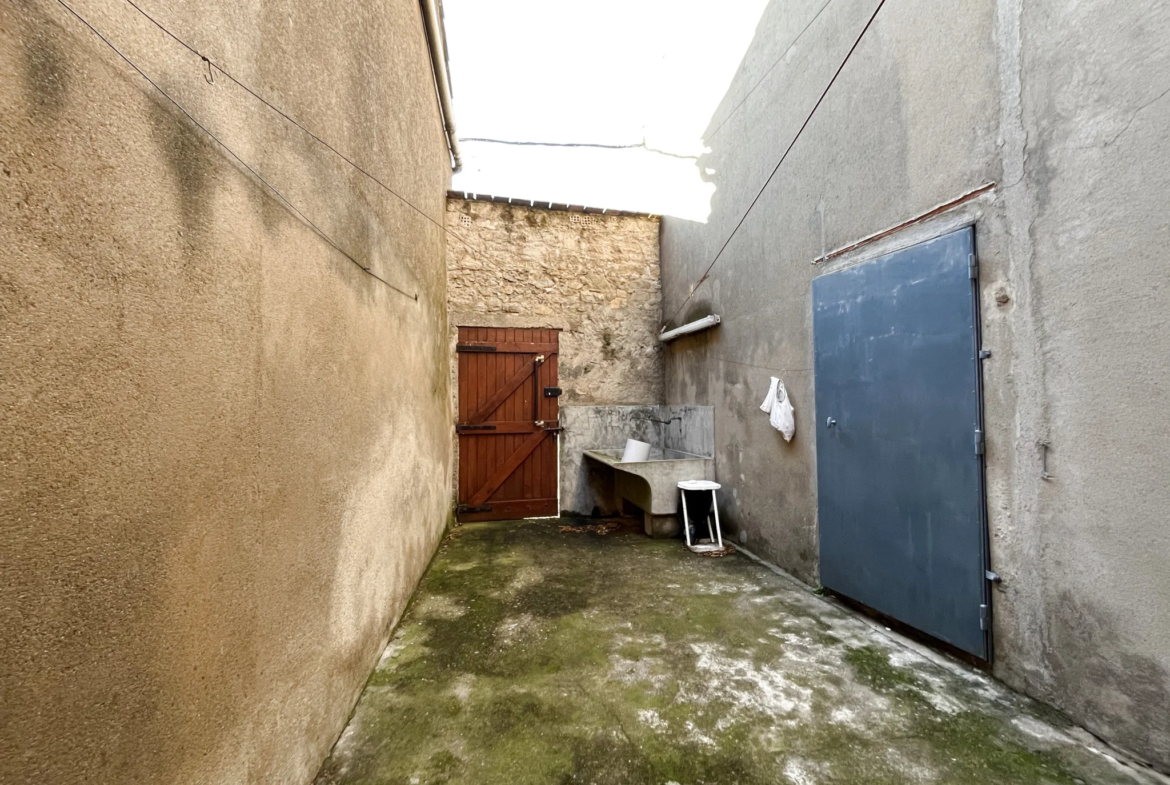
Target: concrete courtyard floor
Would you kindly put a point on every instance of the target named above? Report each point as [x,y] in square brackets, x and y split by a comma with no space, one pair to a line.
[535,655]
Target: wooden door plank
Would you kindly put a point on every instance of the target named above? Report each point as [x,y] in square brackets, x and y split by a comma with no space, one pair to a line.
[507,467]
[498,427]
[508,387]
[519,508]
[505,347]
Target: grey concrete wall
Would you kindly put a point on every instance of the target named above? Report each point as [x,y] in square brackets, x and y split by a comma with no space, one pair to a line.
[224,449]
[1061,108]
[584,485]
[1087,555]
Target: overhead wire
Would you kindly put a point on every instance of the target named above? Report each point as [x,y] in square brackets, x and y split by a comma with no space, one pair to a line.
[695,286]
[233,154]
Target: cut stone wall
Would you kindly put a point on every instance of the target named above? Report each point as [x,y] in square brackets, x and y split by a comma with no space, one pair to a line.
[594,277]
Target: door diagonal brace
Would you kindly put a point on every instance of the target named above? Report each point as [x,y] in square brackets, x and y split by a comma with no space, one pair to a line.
[501,395]
[506,468]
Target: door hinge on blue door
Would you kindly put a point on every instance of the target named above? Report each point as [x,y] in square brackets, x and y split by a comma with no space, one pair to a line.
[979,445]
[972,267]
[984,617]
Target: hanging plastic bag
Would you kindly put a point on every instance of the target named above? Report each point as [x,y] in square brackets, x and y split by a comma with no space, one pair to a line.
[780,412]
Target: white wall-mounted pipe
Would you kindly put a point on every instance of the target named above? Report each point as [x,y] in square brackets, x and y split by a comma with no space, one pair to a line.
[706,323]
[438,43]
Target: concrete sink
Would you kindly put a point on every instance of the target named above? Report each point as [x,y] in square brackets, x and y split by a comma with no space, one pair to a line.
[652,485]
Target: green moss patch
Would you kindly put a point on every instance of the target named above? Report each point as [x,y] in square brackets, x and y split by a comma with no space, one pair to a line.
[532,655]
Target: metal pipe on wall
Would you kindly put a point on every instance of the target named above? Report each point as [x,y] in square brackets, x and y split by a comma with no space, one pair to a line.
[432,17]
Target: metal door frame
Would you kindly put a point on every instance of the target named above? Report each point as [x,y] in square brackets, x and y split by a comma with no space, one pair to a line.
[979,357]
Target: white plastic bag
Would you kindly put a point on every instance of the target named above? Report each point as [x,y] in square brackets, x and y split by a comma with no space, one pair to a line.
[779,409]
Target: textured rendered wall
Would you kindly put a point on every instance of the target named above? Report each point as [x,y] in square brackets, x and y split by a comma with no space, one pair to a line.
[593,276]
[224,448]
[1087,553]
[1065,110]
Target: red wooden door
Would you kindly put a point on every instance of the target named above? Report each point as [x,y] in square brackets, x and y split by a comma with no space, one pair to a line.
[507,423]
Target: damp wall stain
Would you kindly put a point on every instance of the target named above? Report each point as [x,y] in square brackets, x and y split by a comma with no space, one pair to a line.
[226,450]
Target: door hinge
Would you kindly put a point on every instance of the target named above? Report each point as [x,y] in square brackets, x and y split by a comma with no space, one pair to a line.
[985,617]
[972,267]
[980,445]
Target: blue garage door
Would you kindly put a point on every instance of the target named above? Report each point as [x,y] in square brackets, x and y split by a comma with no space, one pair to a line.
[899,439]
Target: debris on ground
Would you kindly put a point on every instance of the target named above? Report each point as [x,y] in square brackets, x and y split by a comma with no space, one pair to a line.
[726,550]
[596,528]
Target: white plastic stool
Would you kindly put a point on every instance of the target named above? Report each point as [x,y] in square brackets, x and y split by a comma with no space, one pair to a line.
[717,534]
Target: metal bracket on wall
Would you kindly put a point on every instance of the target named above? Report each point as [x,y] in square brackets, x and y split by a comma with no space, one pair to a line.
[1044,445]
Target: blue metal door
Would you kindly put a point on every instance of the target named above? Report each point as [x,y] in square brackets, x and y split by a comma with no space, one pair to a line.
[899,439]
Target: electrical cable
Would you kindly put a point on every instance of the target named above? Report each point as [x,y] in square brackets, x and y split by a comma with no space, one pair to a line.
[212,64]
[804,125]
[232,153]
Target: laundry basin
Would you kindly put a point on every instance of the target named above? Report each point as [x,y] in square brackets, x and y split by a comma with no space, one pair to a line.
[652,485]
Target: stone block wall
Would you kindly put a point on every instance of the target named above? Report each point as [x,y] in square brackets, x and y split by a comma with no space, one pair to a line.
[593,276]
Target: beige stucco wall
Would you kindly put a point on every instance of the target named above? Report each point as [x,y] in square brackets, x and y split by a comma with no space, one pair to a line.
[595,277]
[224,449]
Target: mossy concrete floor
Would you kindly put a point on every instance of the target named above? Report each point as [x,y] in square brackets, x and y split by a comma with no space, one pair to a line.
[535,655]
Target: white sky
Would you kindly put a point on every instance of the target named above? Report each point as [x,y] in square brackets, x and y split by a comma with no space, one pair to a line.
[602,72]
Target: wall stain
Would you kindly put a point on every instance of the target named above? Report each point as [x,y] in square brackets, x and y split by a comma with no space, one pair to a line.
[1123,695]
[189,158]
[46,69]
